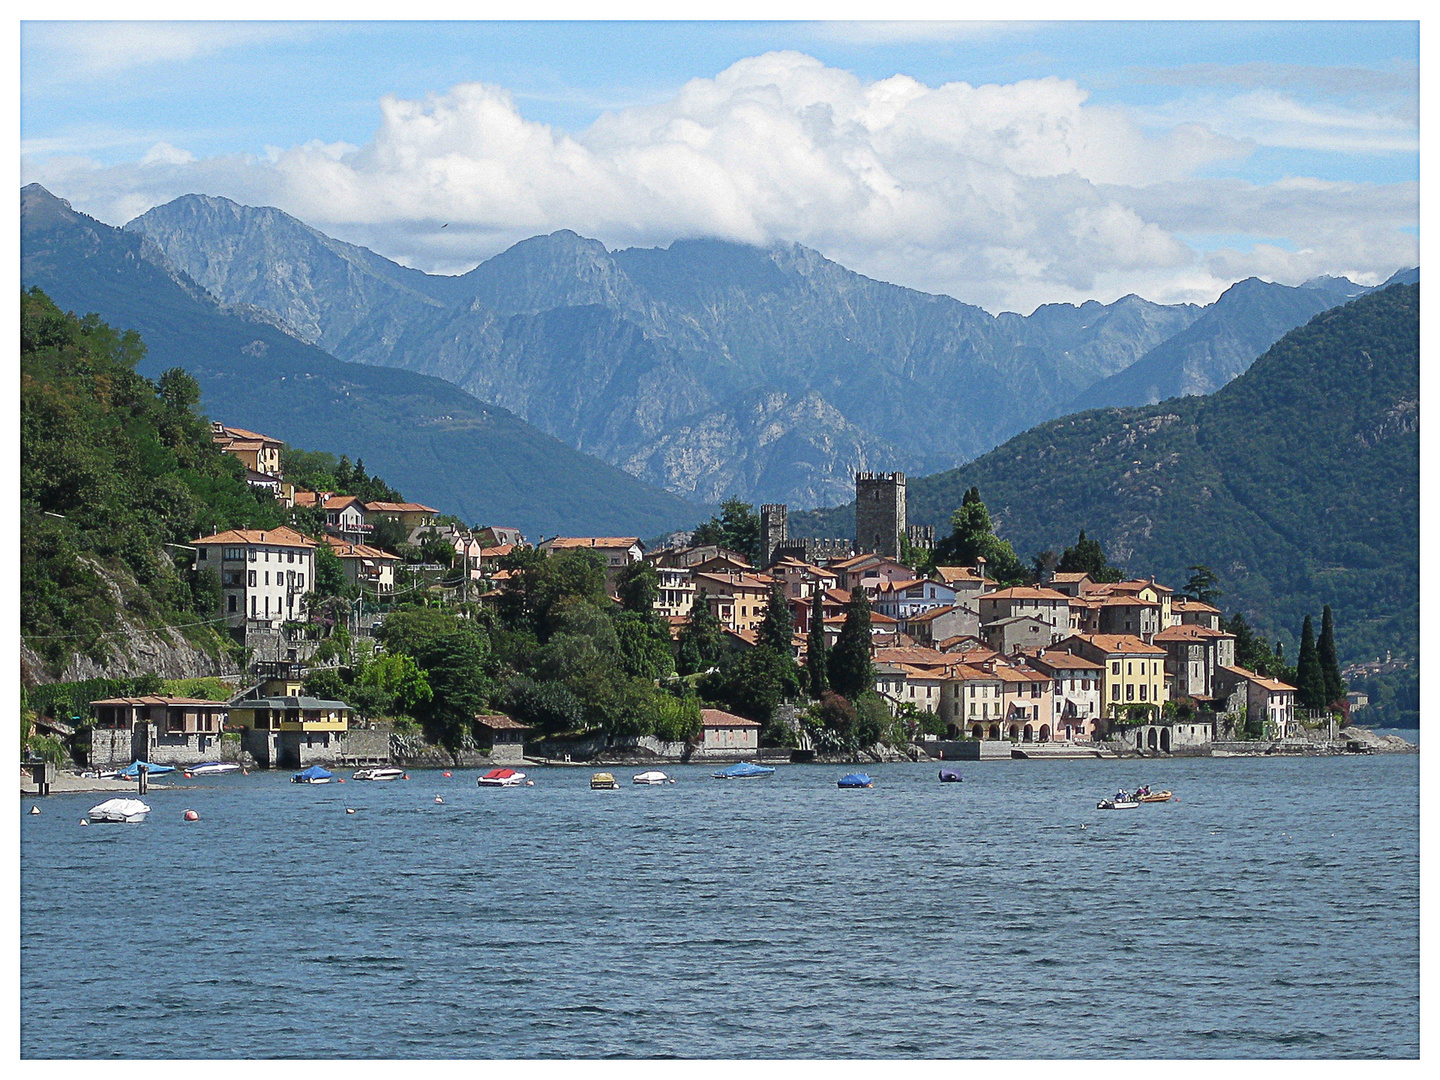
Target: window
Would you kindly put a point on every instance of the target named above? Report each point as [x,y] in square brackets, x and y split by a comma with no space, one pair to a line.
[254,555]
[1143,689]
[1129,668]
[1129,691]
[267,577]
[300,581]
[254,605]
[252,579]
[1115,668]
[233,553]
[232,603]
[1115,692]
[290,556]
[202,555]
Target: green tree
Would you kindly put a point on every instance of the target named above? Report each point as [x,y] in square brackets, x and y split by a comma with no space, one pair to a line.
[817,653]
[1329,663]
[400,676]
[753,683]
[1310,686]
[777,625]
[972,537]
[851,670]
[330,577]
[1201,585]
[644,640]
[388,535]
[455,669]
[701,642]
[1088,557]
[638,586]
[737,528]
[539,587]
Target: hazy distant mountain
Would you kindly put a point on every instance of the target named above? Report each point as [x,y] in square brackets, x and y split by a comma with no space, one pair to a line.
[428,438]
[1247,319]
[1297,483]
[709,367]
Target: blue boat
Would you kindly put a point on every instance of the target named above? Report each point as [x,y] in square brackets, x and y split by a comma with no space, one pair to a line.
[313,775]
[856,779]
[132,771]
[742,770]
[950,776]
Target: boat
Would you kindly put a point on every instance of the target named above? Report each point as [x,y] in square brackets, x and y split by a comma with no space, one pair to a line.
[604,781]
[132,771]
[950,776]
[501,778]
[379,772]
[855,779]
[1158,796]
[313,775]
[212,768]
[128,811]
[652,776]
[1116,804]
[742,770]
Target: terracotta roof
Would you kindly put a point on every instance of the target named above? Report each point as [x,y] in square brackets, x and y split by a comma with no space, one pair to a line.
[155,699]
[1190,632]
[1127,601]
[948,574]
[563,542]
[398,508]
[1118,643]
[1068,661]
[1024,592]
[721,718]
[496,552]
[1069,578]
[916,655]
[1181,604]
[241,433]
[281,536]
[741,580]
[500,722]
[933,613]
[346,550]
[1259,680]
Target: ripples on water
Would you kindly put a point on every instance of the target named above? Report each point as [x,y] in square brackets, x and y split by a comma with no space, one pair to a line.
[778,917]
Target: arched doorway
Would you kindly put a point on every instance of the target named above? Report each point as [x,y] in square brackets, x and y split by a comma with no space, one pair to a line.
[994,731]
[1151,740]
[1044,732]
[978,731]
[1165,739]
[1029,734]
[1014,731]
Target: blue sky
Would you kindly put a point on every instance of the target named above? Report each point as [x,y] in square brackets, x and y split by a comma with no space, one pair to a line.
[1009,164]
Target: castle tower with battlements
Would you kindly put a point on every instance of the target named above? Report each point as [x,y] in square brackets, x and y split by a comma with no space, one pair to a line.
[774,525]
[879,512]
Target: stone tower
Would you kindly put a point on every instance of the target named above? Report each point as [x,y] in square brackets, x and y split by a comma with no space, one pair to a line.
[774,525]
[879,512]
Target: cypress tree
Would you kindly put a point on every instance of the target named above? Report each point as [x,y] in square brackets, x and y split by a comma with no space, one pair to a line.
[851,670]
[817,655]
[1311,688]
[700,642]
[777,627]
[1329,663]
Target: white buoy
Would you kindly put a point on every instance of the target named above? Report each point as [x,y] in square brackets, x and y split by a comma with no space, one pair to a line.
[36,810]
[84,822]
[529,783]
[438,799]
[349,810]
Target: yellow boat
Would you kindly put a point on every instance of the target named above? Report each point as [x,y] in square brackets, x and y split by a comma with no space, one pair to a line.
[604,781]
[1157,796]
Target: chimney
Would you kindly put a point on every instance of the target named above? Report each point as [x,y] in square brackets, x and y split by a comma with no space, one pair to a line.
[980,566]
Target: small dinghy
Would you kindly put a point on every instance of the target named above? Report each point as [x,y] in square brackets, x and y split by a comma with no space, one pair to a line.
[379,772]
[132,771]
[743,770]
[855,779]
[1157,796]
[950,776]
[652,776]
[501,778]
[604,781]
[127,811]
[313,775]
[212,768]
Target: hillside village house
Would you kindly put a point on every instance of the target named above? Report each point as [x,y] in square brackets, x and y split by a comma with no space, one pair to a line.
[675,594]
[1267,702]
[1008,636]
[494,536]
[1194,656]
[902,599]
[265,574]
[941,624]
[972,702]
[617,552]
[1075,699]
[737,599]
[412,516]
[800,579]
[344,514]
[260,454]
[1134,670]
[1047,605]
[293,731]
[1184,612]
[503,737]
[370,568]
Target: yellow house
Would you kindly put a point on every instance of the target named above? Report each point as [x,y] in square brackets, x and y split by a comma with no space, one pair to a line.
[1134,671]
[259,453]
[305,714]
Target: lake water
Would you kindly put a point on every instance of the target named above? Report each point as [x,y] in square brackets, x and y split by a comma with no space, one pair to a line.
[1273,911]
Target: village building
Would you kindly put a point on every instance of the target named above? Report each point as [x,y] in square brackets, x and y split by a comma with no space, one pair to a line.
[293,732]
[503,737]
[972,702]
[617,552]
[1265,703]
[1046,605]
[260,454]
[1018,633]
[1026,705]
[1071,584]
[675,591]
[832,608]
[344,515]
[1184,612]
[494,536]
[902,599]
[159,729]
[1134,670]
[412,516]
[265,574]
[736,599]
[721,731]
[368,567]
[1075,695]
[1130,615]
[867,571]
[1194,656]
[801,579]
[941,624]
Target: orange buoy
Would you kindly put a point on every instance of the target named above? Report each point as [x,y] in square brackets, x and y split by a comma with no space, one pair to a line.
[188,776]
[341,780]
[191,815]
[445,774]
[404,776]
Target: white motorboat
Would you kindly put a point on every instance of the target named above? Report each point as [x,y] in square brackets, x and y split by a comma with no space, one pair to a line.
[652,776]
[501,778]
[128,811]
[212,768]
[379,772]
[1116,804]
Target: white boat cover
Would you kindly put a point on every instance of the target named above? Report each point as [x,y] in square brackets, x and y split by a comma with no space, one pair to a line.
[119,810]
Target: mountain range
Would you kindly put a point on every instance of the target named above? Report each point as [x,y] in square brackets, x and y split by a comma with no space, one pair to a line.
[436,443]
[1297,483]
[715,369]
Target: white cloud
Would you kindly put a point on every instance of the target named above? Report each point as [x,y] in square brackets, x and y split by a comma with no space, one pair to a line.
[1003,195]
[98,49]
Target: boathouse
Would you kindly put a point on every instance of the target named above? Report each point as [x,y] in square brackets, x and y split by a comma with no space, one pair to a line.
[503,737]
